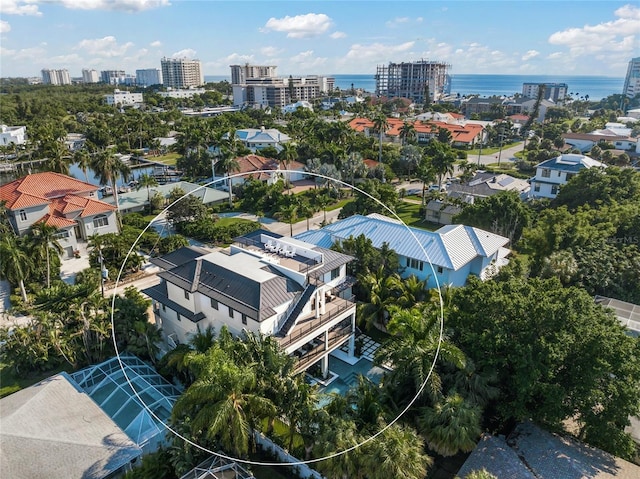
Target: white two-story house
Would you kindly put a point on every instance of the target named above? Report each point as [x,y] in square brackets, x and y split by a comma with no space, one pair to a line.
[553,173]
[445,257]
[265,284]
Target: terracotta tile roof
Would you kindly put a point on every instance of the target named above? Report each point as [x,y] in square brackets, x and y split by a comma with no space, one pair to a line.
[459,133]
[250,163]
[38,188]
[56,221]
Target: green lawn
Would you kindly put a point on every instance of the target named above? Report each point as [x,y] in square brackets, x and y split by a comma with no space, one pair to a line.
[489,151]
[410,214]
[10,383]
[169,159]
[227,221]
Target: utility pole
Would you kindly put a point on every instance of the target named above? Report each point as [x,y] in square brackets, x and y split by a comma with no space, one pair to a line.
[501,139]
[103,273]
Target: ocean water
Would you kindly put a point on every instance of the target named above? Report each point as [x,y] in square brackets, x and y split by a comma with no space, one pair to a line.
[597,87]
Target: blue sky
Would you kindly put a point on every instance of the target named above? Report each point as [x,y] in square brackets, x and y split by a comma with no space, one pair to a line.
[326,37]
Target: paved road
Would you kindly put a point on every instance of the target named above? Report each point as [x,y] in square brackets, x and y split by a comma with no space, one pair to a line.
[507,155]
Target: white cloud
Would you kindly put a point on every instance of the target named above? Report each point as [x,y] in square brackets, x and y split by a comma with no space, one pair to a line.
[300,26]
[4,27]
[156,44]
[555,55]
[397,21]
[377,51]
[619,35]
[104,47]
[270,51]
[336,35]
[306,61]
[529,55]
[65,60]
[19,7]
[186,53]
[129,6]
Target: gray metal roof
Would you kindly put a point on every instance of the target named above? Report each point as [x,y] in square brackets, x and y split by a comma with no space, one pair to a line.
[54,430]
[250,296]
[159,293]
[495,456]
[179,256]
[570,162]
[451,246]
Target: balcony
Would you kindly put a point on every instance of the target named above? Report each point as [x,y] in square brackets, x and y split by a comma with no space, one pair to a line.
[307,357]
[309,323]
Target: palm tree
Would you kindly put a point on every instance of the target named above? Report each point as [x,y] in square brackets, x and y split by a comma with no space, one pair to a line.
[407,132]
[43,237]
[223,402]
[58,156]
[381,125]
[443,160]
[288,154]
[451,426]
[412,348]
[146,180]
[288,213]
[83,160]
[352,167]
[383,289]
[16,263]
[228,162]
[468,170]
[109,168]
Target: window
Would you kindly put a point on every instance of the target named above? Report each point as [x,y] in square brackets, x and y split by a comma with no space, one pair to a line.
[559,174]
[62,234]
[554,190]
[186,294]
[100,221]
[164,308]
[415,264]
[214,304]
[23,215]
[244,319]
[440,270]
[536,187]
[230,313]
[335,273]
[546,173]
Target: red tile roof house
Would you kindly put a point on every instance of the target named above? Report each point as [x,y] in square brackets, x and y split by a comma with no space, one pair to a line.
[70,205]
[461,135]
[250,164]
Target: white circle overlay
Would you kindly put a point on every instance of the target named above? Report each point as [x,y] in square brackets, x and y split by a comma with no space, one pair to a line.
[275,464]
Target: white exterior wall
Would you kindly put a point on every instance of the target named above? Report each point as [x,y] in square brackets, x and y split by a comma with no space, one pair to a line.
[182,93]
[123,98]
[13,134]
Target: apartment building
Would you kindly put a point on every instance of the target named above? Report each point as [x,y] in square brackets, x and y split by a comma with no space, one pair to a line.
[122,98]
[240,73]
[419,81]
[148,76]
[632,79]
[181,72]
[552,91]
[56,77]
[255,85]
[263,283]
[90,76]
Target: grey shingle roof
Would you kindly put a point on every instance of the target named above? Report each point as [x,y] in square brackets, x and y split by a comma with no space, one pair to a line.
[54,430]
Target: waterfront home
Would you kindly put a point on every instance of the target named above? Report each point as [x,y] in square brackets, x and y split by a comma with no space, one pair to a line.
[552,174]
[70,205]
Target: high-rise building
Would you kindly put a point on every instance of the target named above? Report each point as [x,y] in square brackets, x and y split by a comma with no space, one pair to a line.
[632,80]
[413,80]
[90,76]
[240,73]
[552,91]
[149,76]
[258,86]
[56,77]
[181,72]
[112,77]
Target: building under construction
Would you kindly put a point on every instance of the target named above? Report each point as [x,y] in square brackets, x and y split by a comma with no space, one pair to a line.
[413,80]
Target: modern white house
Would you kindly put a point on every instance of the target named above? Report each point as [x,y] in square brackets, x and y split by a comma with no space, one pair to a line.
[16,135]
[121,98]
[265,284]
[553,173]
[445,257]
[70,205]
[256,139]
